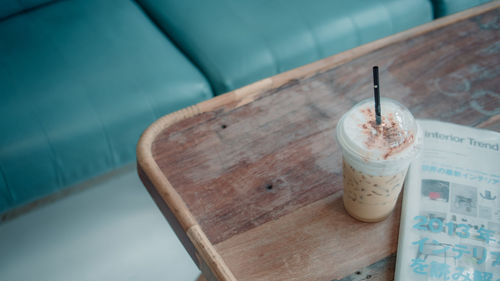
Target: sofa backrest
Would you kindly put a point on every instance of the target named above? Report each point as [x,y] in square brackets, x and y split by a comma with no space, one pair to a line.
[447,7]
[11,7]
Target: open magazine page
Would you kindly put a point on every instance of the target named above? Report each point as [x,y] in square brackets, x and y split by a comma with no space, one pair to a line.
[450,221]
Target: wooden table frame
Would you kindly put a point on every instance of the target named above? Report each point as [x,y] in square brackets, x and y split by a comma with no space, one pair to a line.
[170,202]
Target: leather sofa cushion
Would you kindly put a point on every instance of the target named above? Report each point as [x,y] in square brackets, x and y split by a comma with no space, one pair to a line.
[239,42]
[80,80]
[447,7]
[11,7]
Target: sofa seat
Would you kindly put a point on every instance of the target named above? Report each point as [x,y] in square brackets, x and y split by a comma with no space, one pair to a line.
[79,82]
[239,42]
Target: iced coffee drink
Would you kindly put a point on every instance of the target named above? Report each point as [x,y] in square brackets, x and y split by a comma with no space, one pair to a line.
[376,157]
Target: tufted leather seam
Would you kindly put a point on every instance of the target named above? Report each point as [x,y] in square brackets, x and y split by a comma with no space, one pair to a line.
[53,153]
[104,130]
[390,16]
[3,175]
[8,191]
[359,40]
[148,100]
[317,51]
[275,61]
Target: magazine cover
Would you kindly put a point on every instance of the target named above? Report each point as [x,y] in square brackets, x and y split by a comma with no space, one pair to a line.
[450,220]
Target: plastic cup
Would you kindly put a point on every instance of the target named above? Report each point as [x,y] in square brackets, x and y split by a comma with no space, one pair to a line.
[376,157]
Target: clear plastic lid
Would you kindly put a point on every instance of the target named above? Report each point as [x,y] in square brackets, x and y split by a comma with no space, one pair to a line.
[395,141]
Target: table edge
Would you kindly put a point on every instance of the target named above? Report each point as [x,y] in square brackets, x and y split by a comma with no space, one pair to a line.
[245,95]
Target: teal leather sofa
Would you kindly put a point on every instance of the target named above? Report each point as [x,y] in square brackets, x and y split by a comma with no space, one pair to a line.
[81,79]
[79,82]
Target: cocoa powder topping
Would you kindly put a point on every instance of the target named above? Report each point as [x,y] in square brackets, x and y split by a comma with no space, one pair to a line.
[388,136]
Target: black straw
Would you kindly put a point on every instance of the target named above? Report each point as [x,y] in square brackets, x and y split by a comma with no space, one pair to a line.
[376,89]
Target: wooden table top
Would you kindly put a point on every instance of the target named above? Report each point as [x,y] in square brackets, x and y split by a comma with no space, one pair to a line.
[251,180]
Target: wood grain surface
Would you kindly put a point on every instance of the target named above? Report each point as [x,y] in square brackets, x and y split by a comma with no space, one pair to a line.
[256,174]
[317,242]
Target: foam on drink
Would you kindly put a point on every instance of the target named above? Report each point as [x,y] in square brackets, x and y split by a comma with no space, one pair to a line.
[376,157]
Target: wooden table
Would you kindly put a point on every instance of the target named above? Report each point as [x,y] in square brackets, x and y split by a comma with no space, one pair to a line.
[251,180]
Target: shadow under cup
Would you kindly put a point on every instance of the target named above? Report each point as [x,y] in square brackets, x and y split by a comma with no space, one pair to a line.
[376,159]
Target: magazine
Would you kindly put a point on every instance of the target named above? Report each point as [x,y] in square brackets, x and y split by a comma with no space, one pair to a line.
[450,219]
